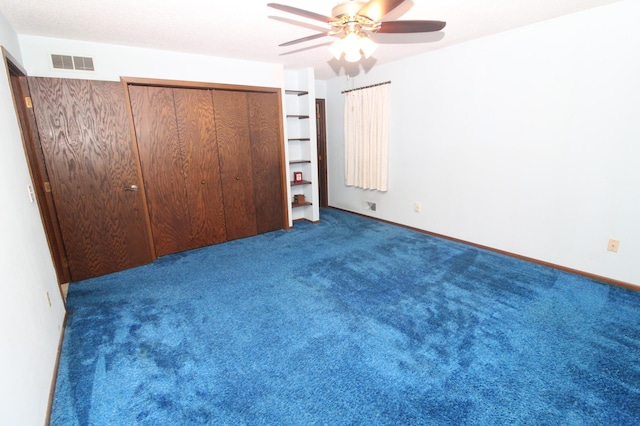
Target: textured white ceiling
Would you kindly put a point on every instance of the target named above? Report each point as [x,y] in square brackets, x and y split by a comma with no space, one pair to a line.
[246,29]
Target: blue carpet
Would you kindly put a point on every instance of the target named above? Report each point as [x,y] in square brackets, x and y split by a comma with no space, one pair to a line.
[348,321]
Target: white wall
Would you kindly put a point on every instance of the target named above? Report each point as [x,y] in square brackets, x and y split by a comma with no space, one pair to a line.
[527,141]
[30,329]
[112,62]
[321,89]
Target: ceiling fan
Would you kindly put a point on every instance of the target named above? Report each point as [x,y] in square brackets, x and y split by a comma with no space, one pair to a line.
[353,20]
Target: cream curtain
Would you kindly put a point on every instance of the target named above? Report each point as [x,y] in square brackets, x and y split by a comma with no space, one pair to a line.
[366,125]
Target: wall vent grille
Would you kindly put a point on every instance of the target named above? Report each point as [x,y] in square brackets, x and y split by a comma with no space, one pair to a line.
[62,62]
[67,62]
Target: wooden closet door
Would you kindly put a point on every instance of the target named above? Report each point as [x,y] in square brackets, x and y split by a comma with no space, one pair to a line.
[266,154]
[234,149]
[163,169]
[196,128]
[86,139]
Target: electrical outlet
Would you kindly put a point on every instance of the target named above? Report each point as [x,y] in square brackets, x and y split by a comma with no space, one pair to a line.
[613,245]
[372,206]
[417,207]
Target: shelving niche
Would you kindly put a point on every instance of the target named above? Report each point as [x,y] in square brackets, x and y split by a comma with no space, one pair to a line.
[301,144]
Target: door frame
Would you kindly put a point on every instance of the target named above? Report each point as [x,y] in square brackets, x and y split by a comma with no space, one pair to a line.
[37,168]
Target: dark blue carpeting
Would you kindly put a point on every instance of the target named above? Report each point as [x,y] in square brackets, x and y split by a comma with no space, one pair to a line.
[349,321]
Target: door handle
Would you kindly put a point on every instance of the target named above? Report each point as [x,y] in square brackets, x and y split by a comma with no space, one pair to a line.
[132,188]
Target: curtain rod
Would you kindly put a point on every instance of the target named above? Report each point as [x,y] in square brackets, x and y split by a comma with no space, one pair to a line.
[366,87]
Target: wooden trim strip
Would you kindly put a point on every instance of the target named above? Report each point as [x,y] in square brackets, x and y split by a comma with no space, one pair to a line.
[196,85]
[54,378]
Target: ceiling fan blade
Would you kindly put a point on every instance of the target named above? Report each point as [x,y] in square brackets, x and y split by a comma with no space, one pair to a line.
[301,12]
[407,38]
[303,49]
[307,25]
[376,9]
[307,38]
[411,26]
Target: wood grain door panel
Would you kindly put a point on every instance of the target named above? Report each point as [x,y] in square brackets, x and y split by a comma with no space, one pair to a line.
[234,149]
[266,145]
[86,140]
[196,128]
[162,162]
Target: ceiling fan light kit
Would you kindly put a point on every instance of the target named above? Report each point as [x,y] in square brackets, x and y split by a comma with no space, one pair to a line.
[352,21]
[367,46]
[354,46]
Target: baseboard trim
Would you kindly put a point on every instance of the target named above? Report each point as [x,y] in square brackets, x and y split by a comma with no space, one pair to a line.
[54,379]
[589,275]
[307,220]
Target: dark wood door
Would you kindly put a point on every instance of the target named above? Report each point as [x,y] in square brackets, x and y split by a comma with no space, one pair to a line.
[197,132]
[321,133]
[89,155]
[163,167]
[234,149]
[266,159]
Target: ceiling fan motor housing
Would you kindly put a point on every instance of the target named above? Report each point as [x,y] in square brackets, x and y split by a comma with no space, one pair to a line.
[347,8]
[346,15]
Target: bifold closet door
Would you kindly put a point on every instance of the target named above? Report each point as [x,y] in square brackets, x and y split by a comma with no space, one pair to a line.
[175,130]
[266,155]
[197,131]
[236,173]
[89,154]
[162,167]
